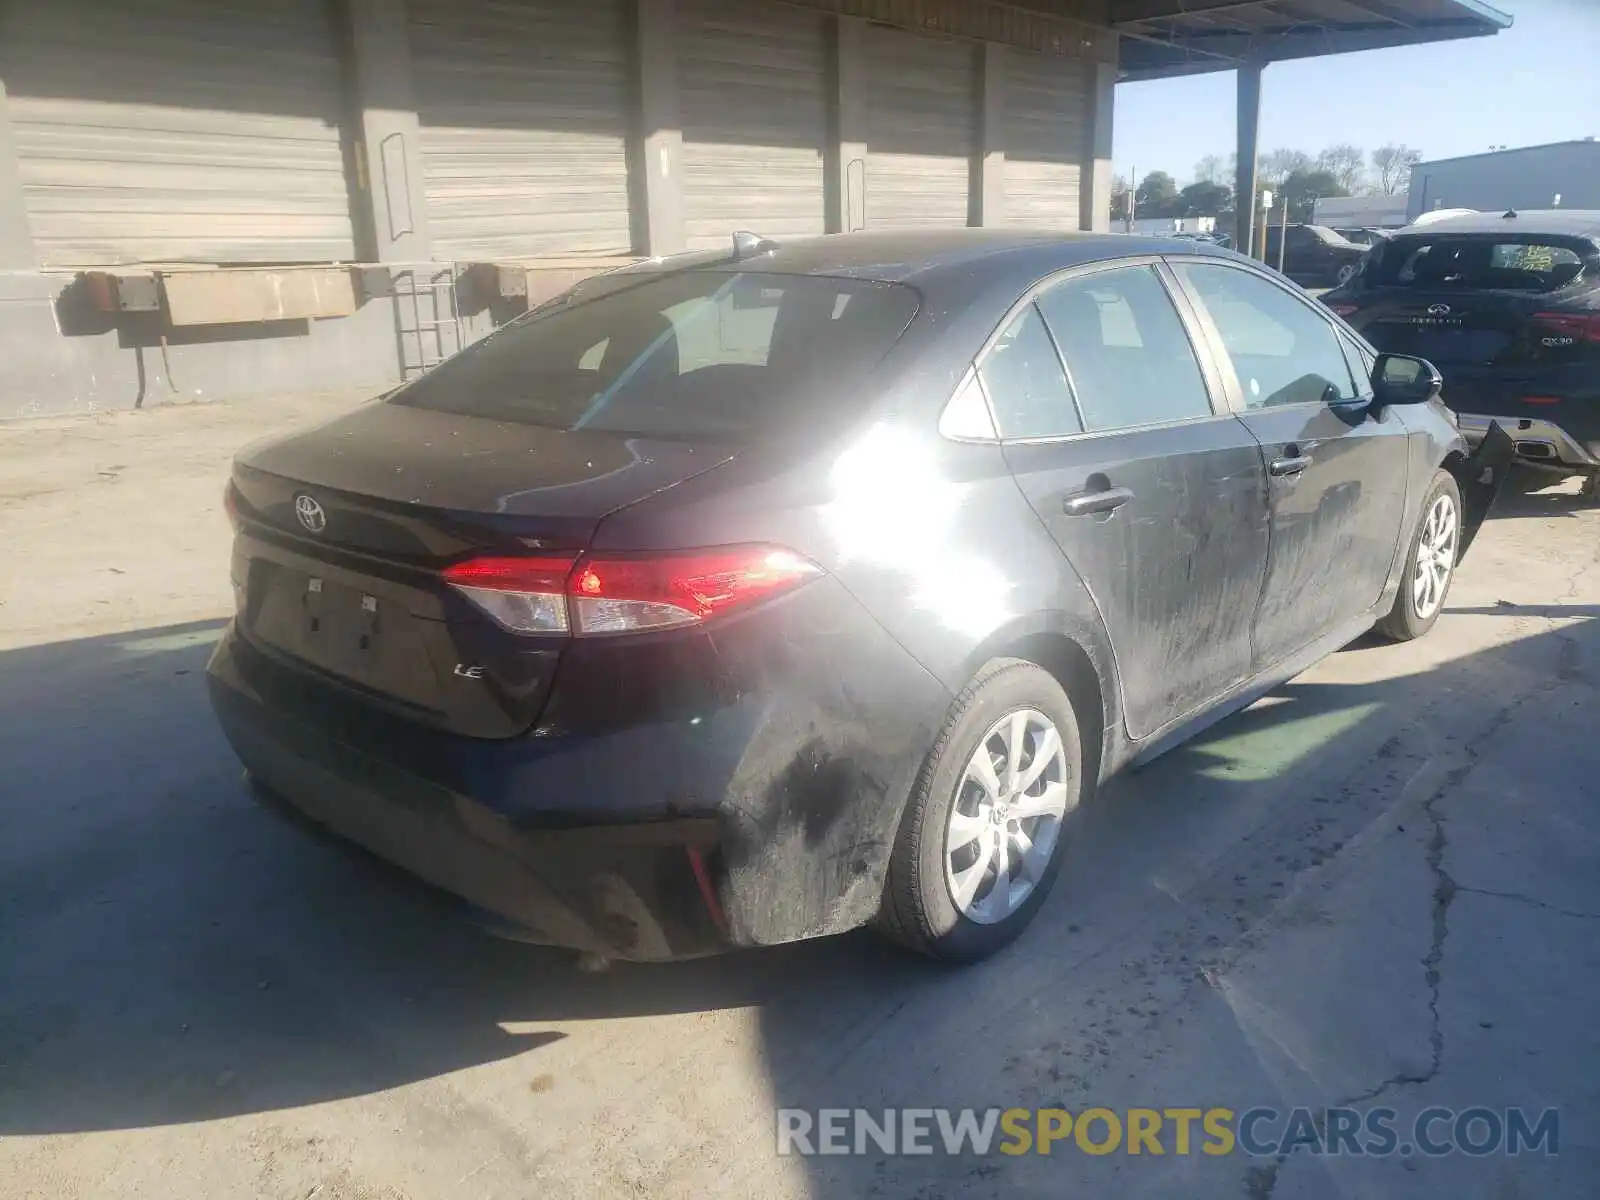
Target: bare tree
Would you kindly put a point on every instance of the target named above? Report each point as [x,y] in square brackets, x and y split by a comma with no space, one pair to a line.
[1393,166]
[1277,165]
[1211,169]
[1346,163]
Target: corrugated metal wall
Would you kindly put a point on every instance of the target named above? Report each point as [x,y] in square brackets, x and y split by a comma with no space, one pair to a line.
[1048,128]
[922,119]
[178,130]
[753,94]
[524,106]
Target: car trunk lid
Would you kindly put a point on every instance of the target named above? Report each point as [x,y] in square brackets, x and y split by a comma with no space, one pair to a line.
[1508,355]
[1451,329]
[344,532]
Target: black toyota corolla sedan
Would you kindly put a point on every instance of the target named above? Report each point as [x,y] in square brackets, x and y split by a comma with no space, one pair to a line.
[740,598]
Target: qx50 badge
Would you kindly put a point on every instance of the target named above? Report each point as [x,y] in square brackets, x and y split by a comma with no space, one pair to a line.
[310,513]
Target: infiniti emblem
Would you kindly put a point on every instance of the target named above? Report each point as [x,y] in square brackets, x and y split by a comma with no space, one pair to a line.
[310,513]
[1438,310]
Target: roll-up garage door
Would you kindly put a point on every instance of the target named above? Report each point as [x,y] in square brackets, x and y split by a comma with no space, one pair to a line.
[524,109]
[178,130]
[922,116]
[1047,127]
[753,95]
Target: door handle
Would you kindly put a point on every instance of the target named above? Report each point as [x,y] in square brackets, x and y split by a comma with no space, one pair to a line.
[1292,465]
[1103,500]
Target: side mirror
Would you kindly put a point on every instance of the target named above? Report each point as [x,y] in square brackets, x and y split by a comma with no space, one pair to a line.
[1402,379]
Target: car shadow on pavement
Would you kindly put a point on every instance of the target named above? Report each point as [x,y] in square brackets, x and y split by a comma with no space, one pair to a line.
[171,951]
[1530,492]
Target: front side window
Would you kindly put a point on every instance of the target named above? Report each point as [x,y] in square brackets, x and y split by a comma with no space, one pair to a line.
[1282,350]
[724,355]
[1360,366]
[1126,351]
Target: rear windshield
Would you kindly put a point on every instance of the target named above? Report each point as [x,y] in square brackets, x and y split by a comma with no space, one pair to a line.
[1331,236]
[1482,263]
[1308,233]
[697,354]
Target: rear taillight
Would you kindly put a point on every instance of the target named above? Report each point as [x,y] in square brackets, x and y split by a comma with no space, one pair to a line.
[1582,327]
[1344,309]
[614,593]
[526,595]
[619,594]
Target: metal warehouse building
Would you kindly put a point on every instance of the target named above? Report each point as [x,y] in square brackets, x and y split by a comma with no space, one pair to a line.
[1559,175]
[220,197]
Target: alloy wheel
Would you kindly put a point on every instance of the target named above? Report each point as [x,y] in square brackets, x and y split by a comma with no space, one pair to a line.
[1006,818]
[1436,557]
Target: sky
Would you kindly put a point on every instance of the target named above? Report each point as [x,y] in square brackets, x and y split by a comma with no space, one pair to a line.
[1537,82]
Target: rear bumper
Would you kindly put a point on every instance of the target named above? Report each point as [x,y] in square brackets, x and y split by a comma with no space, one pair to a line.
[1539,442]
[628,889]
[657,811]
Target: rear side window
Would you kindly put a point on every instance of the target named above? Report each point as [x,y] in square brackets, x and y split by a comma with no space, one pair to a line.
[1282,350]
[1126,351]
[1477,263]
[697,354]
[1026,387]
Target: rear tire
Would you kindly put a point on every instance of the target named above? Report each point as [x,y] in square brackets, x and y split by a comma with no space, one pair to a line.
[984,831]
[1430,563]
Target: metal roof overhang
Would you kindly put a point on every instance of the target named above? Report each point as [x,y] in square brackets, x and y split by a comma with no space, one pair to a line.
[1162,38]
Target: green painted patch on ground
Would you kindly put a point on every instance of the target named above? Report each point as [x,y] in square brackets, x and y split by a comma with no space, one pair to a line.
[1267,752]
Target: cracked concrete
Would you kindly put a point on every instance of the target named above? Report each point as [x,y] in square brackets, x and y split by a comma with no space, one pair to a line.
[1375,887]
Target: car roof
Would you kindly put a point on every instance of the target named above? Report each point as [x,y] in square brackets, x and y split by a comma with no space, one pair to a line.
[1569,222]
[925,256]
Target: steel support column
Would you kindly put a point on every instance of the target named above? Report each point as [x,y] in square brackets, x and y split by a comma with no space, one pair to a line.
[1244,184]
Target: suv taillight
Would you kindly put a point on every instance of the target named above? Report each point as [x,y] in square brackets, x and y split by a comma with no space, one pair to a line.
[625,593]
[1583,326]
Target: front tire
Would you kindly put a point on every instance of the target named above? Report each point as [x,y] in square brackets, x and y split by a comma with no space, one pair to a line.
[982,839]
[1430,565]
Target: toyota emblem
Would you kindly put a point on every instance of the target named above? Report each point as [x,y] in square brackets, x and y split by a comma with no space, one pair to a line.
[310,513]
[1438,310]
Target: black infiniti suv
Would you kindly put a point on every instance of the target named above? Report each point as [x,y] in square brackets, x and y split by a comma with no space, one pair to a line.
[1508,307]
